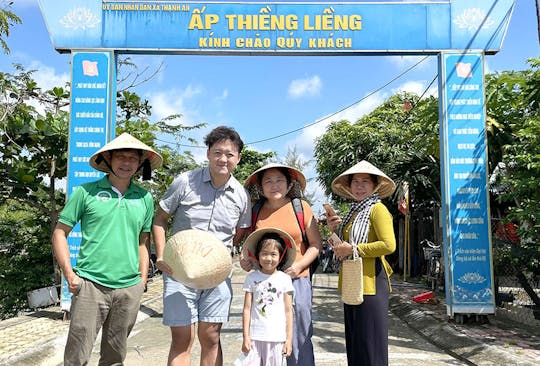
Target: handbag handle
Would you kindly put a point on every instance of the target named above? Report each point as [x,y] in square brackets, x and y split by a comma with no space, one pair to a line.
[355,254]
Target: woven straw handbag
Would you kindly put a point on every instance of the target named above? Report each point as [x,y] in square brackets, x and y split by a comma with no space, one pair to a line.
[352,286]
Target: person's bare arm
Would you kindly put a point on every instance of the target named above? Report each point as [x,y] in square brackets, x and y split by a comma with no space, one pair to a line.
[61,252]
[159,230]
[144,255]
[241,233]
[312,252]
[287,347]
[246,322]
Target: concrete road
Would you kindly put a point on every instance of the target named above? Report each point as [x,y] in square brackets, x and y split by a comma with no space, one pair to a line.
[150,340]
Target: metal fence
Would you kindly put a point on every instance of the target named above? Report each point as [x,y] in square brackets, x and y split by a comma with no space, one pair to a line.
[514,281]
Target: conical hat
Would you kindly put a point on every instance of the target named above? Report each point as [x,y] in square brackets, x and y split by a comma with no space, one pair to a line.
[198,259]
[248,249]
[125,141]
[385,186]
[296,175]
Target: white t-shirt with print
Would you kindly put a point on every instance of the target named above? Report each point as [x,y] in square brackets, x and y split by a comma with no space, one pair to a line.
[268,322]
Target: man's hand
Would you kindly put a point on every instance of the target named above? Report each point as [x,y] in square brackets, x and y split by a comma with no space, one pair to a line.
[163,266]
[246,264]
[74,283]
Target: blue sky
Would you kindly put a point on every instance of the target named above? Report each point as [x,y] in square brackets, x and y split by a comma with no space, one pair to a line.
[266,96]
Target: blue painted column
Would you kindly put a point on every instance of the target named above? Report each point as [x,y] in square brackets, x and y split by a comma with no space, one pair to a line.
[92,123]
[465,194]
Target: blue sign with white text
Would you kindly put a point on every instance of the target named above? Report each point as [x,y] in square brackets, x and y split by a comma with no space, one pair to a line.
[277,27]
[466,194]
[89,129]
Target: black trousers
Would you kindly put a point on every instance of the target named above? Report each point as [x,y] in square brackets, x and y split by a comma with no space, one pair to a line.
[366,326]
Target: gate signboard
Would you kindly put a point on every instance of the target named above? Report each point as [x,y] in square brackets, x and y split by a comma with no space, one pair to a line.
[274,27]
[461,32]
[465,195]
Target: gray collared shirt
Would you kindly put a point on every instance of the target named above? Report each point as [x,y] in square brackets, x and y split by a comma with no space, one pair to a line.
[197,204]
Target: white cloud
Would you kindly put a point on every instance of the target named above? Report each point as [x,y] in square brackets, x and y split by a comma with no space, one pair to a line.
[224,95]
[46,76]
[174,101]
[305,87]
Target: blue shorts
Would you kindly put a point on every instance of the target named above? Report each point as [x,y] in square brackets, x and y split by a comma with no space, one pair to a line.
[184,305]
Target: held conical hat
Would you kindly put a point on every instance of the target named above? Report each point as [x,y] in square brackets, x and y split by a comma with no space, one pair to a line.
[248,249]
[198,259]
[296,175]
[125,141]
[385,186]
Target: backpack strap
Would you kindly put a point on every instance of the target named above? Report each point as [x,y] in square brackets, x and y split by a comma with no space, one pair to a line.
[255,212]
[299,213]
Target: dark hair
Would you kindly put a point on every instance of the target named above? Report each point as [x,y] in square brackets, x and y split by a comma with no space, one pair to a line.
[283,170]
[374,178]
[224,133]
[274,238]
[138,151]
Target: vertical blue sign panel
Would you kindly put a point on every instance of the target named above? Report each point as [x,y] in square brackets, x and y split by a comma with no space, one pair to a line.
[465,195]
[93,88]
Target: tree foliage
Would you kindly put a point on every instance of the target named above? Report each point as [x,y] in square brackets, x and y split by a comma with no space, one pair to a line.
[513,106]
[294,159]
[25,254]
[7,20]
[251,161]
[400,140]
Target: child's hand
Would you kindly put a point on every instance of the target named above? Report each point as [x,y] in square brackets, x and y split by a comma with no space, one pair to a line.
[246,345]
[287,348]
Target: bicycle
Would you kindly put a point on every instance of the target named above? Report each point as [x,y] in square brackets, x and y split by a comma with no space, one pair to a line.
[435,269]
[329,260]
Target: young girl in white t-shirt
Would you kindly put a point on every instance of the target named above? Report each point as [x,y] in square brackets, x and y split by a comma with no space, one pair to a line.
[267,316]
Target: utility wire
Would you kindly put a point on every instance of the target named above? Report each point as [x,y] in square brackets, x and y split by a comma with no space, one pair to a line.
[331,115]
[342,109]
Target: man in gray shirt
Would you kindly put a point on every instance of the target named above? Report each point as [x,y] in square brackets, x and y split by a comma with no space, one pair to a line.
[212,200]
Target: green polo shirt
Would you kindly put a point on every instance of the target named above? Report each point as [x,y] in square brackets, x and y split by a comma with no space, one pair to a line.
[110,227]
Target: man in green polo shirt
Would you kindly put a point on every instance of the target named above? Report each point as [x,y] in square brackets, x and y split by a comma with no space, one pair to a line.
[108,280]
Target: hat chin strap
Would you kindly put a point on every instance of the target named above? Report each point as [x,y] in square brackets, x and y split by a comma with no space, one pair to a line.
[101,159]
[146,169]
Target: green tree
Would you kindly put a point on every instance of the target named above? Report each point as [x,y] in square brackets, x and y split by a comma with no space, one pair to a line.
[25,253]
[251,161]
[7,20]
[295,160]
[513,106]
[400,137]
[33,143]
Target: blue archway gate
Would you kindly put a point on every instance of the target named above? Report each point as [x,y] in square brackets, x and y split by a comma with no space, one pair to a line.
[460,32]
